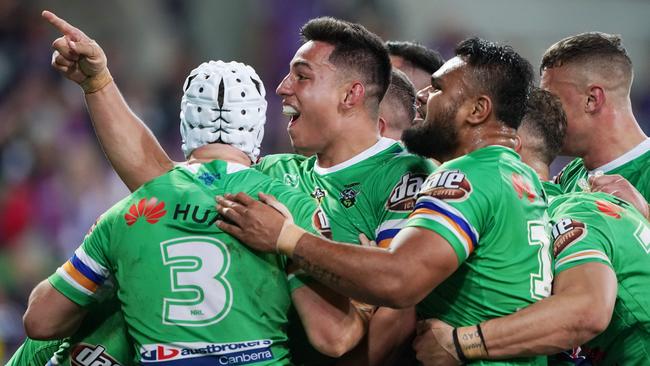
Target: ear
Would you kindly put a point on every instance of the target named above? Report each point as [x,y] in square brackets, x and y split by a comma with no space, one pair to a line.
[382,125]
[355,95]
[517,143]
[595,99]
[481,109]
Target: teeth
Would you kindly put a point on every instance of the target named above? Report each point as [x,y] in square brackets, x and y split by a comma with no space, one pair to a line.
[288,110]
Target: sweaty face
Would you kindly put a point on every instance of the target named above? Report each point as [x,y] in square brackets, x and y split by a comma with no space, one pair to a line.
[436,136]
[557,80]
[310,98]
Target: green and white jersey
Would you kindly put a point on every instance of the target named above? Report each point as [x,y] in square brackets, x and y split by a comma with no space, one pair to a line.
[633,166]
[597,227]
[372,193]
[491,208]
[190,294]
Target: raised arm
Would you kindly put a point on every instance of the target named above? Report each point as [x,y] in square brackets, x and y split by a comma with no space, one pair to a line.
[129,145]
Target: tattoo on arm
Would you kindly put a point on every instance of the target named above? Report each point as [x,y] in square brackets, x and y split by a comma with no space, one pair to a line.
[317,271]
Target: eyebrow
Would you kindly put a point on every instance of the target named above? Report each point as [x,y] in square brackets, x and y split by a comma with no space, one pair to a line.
[300,63]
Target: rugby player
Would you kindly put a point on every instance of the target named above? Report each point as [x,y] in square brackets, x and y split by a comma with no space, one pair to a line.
[189,292]
[362,182]
[476,244]
[600,297]
[397,109]
[592,75]
[415,60]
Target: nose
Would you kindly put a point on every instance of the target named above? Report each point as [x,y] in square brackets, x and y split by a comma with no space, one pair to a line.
[422,96]
[284,88]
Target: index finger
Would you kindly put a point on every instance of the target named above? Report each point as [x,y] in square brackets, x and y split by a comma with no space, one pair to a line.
[64,27]
[243,198]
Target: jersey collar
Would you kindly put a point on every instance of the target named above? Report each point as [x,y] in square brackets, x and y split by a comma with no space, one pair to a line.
[636,151]
[381,145]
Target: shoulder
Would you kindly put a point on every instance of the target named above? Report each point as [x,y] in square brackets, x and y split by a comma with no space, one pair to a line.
[269,160]
[569,170]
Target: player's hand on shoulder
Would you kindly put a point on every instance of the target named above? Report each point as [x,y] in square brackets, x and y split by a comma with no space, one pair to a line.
[434,345]
[618,186]
[255,223]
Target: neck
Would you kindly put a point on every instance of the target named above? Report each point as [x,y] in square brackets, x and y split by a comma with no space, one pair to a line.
[620,133]
[351,142]
[486,134]
[216,151]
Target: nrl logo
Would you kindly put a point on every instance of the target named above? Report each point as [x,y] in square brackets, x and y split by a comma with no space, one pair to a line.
[322,224]
[348,197]
[291,180]
[318,194]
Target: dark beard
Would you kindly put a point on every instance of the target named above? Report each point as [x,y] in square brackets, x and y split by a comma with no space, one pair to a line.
[437,139]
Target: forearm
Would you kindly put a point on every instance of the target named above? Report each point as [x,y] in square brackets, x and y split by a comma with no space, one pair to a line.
[547,327]
[333,325]
[368,274]
[389,334]
[130,146]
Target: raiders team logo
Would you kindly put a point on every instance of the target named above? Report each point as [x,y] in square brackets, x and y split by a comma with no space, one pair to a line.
[402,197]
[318,194]
[322,224]
[566,232]
[348,197]
[85,354]
[449,185]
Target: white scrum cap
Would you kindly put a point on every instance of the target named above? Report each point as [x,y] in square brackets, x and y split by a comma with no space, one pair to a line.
[223,102]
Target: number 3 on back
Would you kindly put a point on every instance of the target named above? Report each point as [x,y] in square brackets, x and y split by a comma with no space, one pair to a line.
[198,266]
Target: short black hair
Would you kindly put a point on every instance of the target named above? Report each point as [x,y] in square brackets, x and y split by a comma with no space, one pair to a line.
[355,48]
[501,73]
[401,94]
[586,46]
[545,120]
[418,55]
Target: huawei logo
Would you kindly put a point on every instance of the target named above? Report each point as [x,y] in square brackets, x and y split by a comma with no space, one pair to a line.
[609,209]
[151,209]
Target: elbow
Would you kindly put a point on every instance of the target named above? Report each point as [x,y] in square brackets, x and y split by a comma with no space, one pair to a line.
[397,294]
[334,344]
[37,328]
[593,322]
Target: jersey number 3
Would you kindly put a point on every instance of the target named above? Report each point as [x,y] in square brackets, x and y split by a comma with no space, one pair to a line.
[540,282]
[198,266]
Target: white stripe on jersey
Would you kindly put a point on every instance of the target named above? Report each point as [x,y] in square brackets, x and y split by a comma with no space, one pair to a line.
[583,254]
[91,263]
[61,272]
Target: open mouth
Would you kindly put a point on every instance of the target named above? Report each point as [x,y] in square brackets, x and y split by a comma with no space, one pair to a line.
[292,112]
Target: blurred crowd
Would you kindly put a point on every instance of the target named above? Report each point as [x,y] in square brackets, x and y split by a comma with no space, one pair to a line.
[54,179]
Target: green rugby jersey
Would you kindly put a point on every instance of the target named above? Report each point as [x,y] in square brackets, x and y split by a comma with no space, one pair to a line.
[597,227]
[190,294]
[491,208]
[34,353]
[633,166]
[372,193]
[552,189]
